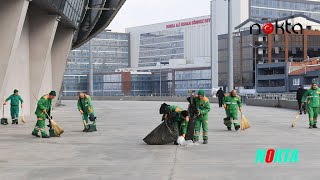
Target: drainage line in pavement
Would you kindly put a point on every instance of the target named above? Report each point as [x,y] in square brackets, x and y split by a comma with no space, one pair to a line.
[174,164]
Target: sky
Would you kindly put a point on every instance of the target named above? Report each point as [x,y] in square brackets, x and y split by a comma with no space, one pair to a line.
[143,12]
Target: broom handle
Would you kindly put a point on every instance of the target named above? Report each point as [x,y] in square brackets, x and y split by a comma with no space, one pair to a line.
[48,116]
[3,111]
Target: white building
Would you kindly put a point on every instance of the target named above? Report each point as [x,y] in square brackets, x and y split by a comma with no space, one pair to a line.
[182,39]
[184,43]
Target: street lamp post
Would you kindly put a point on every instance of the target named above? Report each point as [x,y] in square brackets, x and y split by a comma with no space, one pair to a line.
[90,77]
[255,63]
[230,47]
[161,75]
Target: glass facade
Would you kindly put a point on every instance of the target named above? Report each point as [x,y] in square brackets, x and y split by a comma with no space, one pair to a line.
[149,84]
[179,85]
[281,8]
[107,85]
[160,47]
[74,84]
[296,47]
[272,78]
[192,80]
[110,51]
[243,58]
[272,83]
[143,84]
[313,46]
[72,9]
[278,51]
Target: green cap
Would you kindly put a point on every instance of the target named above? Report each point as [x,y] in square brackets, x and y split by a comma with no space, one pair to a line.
[201,92]
[15,91]
[53,93]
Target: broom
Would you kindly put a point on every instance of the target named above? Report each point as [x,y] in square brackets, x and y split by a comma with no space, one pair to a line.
[244,123]
[297,117]
[57,129]
[22,116]
[86,126]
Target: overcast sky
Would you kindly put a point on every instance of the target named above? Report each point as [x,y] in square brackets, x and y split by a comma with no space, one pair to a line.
[143,12]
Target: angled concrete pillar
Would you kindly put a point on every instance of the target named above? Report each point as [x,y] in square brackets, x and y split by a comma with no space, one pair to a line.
[42,29]
[59,55]
[17,76]
[46,84]
[13,13]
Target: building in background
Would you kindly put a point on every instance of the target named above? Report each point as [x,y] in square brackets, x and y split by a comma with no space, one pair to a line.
[273,9]
[243,10]
[304,75]
[184,43]
[129,63]
[259,10]
[187,39]
[174,79]
[272,77]
[272,54]
[110,51]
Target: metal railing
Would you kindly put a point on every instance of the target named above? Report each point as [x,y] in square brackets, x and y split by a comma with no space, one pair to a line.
[275,96]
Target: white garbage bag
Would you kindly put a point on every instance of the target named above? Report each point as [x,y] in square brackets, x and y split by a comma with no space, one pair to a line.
[181,141]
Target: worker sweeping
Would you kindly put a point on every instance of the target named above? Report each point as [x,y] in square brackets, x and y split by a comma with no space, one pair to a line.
[312,97]
[181,118]
[15,100]
[43,112]
[203,106]
[85,108]
[232,103]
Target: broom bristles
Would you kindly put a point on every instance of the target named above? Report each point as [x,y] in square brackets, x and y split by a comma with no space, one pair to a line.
[294,122]
[244,123]
[57,129]
[22,119]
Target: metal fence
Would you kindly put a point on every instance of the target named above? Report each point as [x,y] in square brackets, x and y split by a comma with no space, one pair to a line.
[279,96]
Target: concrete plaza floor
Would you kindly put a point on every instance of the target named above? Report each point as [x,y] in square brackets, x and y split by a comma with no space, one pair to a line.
[116,150]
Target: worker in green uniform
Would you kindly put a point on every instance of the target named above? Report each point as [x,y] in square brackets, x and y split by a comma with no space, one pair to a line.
[181,118]
[43,112]
[85,108]
[14,99]
[312,98]
[203,106]
[232,103]
[184,118]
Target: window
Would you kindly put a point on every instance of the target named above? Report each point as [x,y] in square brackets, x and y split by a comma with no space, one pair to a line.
[276,50]
[296,81]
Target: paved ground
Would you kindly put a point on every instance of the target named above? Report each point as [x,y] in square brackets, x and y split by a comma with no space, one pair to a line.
[117,151]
